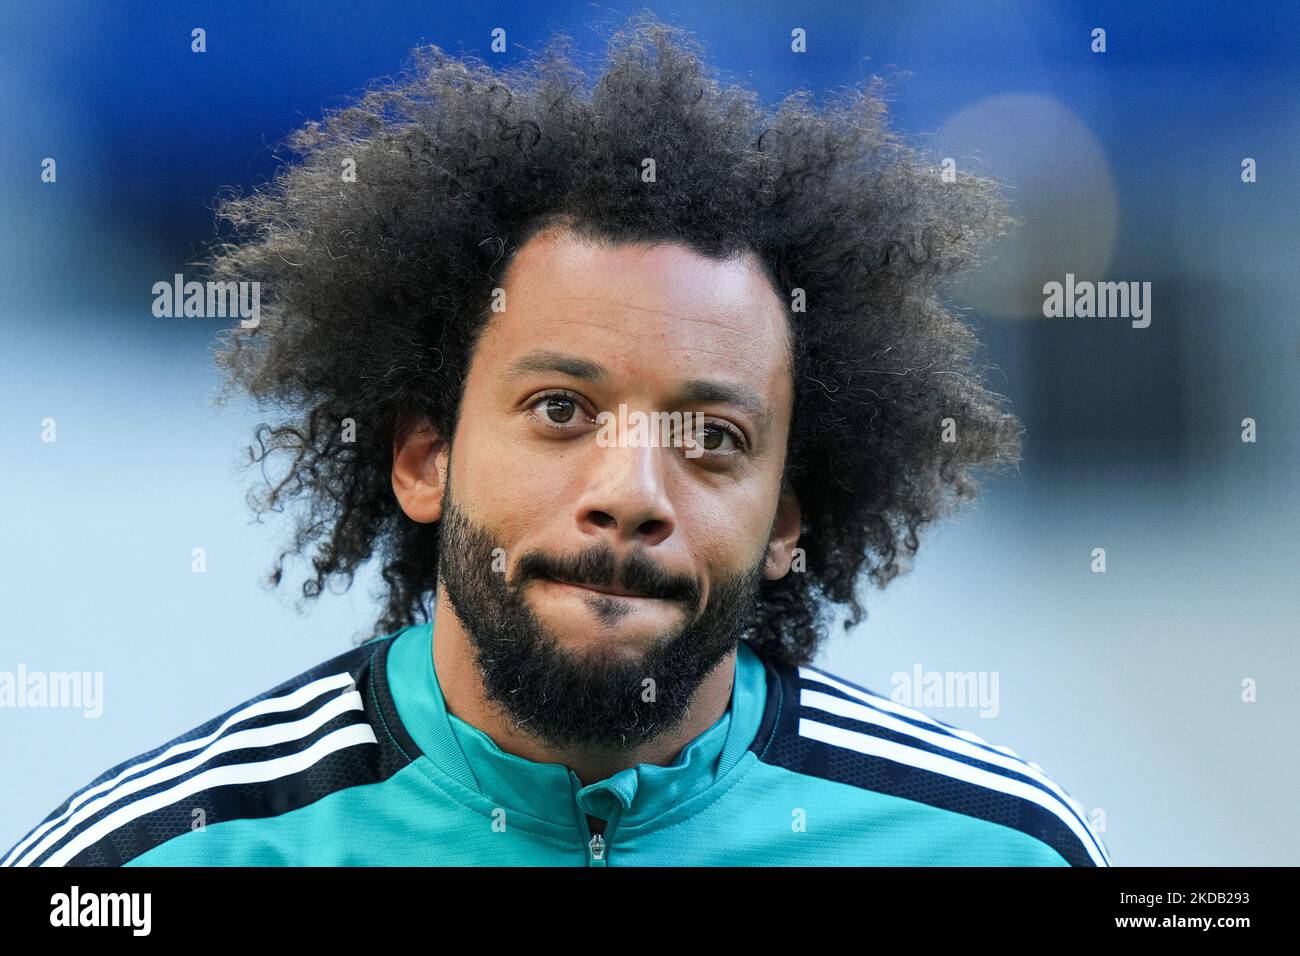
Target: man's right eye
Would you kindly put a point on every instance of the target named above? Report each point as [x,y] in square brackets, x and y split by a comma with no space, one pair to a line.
[557,411]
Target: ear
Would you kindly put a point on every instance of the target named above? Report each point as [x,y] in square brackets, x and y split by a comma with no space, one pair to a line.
[784,537]
[420,461]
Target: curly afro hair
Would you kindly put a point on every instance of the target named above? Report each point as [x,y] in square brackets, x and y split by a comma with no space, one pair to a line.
[380,284]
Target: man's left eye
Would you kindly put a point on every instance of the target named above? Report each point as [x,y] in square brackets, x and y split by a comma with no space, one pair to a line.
[713,437]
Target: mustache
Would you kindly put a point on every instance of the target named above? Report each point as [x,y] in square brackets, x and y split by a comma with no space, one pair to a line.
[599,566]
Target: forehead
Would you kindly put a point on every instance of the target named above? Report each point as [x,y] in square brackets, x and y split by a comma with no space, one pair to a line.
[655,310]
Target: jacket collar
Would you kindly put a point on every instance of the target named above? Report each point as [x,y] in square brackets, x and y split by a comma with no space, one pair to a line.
[631,800]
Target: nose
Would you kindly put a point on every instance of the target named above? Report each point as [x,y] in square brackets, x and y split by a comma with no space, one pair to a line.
[626,497]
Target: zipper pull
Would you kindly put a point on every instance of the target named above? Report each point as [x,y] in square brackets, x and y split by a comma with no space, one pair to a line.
[596,851]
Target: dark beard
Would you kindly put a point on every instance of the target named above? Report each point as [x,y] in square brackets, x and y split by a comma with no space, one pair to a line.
[590,701]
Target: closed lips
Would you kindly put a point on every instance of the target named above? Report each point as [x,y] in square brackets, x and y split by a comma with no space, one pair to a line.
[602,589]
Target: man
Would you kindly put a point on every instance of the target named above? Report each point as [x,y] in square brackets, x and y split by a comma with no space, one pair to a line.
[479,280]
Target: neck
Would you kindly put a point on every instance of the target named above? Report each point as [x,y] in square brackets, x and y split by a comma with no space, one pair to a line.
[464,696]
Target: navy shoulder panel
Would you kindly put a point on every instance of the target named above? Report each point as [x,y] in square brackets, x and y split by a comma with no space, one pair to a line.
[329,728]
[819,724]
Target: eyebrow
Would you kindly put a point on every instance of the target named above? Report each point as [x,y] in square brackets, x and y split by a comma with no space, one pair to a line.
[546,361]
[692,390]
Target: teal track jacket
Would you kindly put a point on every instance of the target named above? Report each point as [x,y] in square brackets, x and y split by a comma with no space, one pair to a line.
[358,763]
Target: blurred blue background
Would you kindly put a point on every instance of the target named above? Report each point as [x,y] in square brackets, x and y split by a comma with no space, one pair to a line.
[1125,686]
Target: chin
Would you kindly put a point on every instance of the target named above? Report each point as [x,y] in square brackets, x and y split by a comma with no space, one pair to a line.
[584,633]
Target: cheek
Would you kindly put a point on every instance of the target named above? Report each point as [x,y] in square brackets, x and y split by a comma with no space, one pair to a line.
[726,527]
[505,484]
